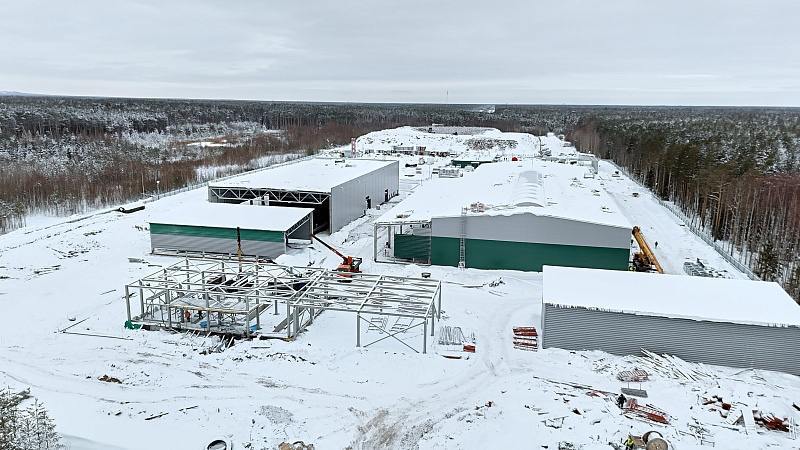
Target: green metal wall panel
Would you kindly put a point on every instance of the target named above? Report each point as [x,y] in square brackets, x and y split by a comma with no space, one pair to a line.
[216,232]
[465,163]
[409,246]
[485,254]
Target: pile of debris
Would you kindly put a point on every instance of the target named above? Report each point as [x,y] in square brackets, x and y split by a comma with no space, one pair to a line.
[454,336]
[741,415]
[672,367]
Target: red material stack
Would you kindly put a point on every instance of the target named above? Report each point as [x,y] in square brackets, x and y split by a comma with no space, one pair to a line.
[526,338]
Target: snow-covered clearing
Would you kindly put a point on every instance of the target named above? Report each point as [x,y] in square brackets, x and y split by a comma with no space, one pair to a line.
[320,388]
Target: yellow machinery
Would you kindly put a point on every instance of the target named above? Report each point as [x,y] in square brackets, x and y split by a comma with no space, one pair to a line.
[645,260]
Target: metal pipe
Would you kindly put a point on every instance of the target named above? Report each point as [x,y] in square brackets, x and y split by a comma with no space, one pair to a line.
[128,302]
[247,316]
[424,336]
[169,308]
[358,330]
[288,319]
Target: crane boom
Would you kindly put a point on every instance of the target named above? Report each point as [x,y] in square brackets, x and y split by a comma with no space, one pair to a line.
[646,251]
[328,246]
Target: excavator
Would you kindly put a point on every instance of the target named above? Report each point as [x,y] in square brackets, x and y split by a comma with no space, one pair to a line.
[349,264]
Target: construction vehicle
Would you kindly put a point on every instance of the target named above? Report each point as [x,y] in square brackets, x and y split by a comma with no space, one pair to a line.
[644,260]
[349,264]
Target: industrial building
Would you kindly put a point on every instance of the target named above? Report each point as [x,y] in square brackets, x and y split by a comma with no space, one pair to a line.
[508,215]
[221,228]
[476,158]
[736,323]
[338,190]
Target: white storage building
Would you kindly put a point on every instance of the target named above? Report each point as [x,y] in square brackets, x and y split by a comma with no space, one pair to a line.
[218,228]
[736,323]
[338,190]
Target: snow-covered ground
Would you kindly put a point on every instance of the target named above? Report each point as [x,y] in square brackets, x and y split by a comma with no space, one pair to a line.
[320,388]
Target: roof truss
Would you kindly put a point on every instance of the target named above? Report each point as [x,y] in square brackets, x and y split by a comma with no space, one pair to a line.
[239,194]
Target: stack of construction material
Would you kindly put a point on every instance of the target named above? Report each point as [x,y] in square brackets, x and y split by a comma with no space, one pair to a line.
[526,338]
[650,413]
[673,367]
[633,376]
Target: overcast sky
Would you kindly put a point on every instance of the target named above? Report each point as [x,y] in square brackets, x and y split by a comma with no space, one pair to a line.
[726,52]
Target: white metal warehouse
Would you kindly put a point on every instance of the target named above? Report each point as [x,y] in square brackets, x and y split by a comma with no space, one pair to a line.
[338,190]
[736,323]
[220,228]
[508,215]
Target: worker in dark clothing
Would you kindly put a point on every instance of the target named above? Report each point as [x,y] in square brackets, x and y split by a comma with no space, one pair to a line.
[656,244]
[621,400]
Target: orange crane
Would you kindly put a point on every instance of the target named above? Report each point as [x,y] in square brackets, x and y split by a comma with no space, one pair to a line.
[644,260]
[350,264]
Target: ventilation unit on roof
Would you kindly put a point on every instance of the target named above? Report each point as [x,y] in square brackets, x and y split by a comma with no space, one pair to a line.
[529,189]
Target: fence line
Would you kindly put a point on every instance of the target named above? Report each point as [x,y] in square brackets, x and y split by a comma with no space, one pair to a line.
[702,233]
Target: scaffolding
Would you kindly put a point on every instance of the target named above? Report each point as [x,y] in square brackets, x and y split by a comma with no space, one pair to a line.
[231,297]
[214,296]
[374,299]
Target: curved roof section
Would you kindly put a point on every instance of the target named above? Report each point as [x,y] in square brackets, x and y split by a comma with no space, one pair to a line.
[529,190]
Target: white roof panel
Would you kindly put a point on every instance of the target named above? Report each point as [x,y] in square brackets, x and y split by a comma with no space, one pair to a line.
[226,215]
[314,175]
[506,188]
[697,298]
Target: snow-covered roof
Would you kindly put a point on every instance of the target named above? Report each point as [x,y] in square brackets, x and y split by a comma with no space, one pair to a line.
[503,143]
[505,188]
[226,215]
[477,156]
[679,296]
[314,175]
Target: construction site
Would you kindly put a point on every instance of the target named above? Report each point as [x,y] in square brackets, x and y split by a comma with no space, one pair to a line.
[400,299]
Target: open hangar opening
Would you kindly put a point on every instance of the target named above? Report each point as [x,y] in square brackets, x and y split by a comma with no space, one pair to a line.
[338,190]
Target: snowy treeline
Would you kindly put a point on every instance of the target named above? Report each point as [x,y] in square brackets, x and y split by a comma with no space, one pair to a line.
[733,171]
[68,155]
[25,427]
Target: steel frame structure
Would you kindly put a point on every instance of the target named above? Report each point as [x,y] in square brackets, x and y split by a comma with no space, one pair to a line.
[240,194]
[382,242]
[218,295]
[227,296]
[417,299]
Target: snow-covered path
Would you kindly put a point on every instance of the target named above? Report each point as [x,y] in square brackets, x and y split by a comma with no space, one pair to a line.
[676,243]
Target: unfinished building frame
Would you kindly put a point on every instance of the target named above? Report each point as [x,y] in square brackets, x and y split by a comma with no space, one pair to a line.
[215,296]
[374,299]
[230,296]
[402,242]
